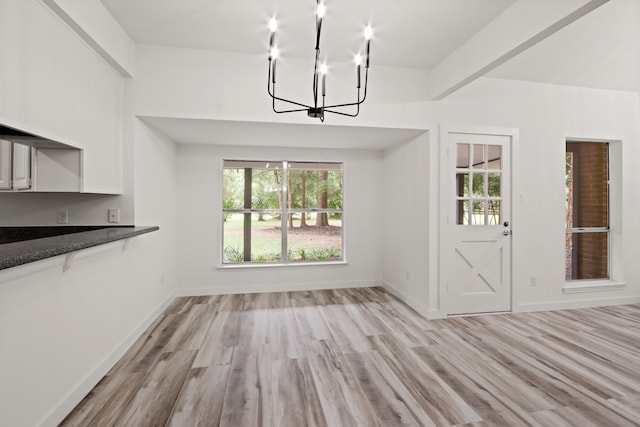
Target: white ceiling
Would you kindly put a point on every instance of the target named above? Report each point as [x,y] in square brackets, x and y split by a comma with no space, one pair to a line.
[600,50]
[407,33]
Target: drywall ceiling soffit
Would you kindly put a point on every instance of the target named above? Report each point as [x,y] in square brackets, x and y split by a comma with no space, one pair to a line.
[267,134]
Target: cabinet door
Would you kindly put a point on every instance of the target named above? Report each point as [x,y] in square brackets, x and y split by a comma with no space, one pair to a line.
[5,165]
[21,167]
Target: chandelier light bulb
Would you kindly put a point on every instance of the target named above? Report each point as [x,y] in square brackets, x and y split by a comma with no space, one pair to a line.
[368,32]
[320,11]
[323,68]
[358,59]
[275,52]
[273,24]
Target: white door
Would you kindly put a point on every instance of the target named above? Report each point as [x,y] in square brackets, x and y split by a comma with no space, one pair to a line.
[5,165]
[477,234]
[21,167]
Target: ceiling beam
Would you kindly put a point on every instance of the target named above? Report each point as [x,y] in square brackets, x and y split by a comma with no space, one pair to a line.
[524,24]
[93,23]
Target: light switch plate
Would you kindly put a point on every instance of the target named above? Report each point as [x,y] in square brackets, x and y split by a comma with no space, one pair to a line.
[63,217]
[114,215]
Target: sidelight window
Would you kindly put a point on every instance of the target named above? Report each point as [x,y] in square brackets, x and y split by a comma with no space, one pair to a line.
[587,211]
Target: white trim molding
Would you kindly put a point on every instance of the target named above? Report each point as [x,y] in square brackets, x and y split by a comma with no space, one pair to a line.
[411,302]
[575,304]
[258,288]
[592,286]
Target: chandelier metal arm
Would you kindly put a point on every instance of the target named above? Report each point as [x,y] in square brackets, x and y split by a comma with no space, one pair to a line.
[360,101]
[343,113]
[274,97]
[319,70]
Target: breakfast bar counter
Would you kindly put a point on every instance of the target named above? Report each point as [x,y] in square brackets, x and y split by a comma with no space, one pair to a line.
[22,245]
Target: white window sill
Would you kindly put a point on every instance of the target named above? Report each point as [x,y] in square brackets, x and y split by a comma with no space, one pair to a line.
[579,286]
[240,266]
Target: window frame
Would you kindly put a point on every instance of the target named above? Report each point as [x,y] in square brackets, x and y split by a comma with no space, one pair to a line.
[284,212]
[587,230]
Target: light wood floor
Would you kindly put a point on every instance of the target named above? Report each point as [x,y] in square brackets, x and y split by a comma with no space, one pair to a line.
[359,357]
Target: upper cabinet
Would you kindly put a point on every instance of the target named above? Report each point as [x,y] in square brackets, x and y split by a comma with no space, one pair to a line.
[21,167]
[28,169]
[55,86]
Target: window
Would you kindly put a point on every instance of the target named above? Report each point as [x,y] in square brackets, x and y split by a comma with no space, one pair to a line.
[479,177]
[587,213]
[281,212]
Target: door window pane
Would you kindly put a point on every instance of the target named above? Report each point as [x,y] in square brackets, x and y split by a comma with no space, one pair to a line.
[478,214]
[462,184]
[493,212]
[463,212]
[494,157]
[479,184]
[462,158]
[494,184]
[478,156]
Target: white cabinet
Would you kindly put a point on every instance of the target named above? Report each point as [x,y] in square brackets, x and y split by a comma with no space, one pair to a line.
[39,169]
[57,169]
[5,165]
[21,167]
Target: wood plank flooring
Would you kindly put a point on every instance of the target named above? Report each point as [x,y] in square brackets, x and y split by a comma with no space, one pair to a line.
[360,357]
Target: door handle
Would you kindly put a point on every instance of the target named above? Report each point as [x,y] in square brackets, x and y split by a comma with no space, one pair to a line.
[506,233]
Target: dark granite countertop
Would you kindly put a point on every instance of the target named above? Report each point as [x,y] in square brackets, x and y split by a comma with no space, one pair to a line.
[26,251]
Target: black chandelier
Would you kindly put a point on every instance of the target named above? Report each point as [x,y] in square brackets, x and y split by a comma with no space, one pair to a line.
[319,69]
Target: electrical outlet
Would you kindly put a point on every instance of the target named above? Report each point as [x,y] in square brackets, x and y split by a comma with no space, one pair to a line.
[534,280]
[114,215]
[63,217]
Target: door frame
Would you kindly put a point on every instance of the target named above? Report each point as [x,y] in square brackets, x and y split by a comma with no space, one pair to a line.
[446,178]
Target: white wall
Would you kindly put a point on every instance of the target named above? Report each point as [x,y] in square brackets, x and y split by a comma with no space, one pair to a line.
[27,209]
[191,83]
[405,227]
[200,223]
[156,194]
[546,116]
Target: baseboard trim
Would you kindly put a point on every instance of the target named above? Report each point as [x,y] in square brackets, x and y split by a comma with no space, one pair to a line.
[411,302]
[258,288]
[71,400]
[582,303]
